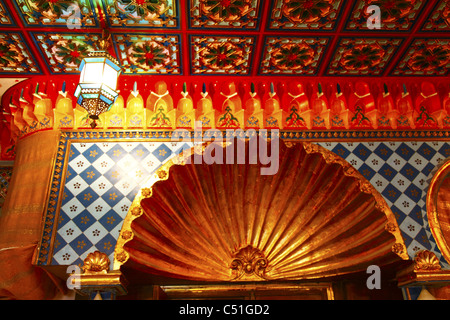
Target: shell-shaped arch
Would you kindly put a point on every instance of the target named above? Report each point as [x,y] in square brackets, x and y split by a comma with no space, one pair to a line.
[316,217]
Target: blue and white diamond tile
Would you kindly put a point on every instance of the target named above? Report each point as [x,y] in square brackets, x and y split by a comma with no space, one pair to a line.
[410,227]
[101,183]
[400,172]
[163,152]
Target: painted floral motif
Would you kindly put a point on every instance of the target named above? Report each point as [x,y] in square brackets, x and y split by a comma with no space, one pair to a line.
[70,13]
[153,13]
[228,119]
[55,6]
[5,178]
[149,55]
[160,119]
[384,122]
[430,58]
[293,57]
[362,57]
[224,13]
[424,120]
[439,20]
[403,122]
[272,122]
[70,52]
[306,10]
[446,121]
[337,122]
[252,121]
[393,9]
[294,119]
[65,122]
[222,56]
[205,121]
[395,14]
[184,121]
[143,8]
[319,122]
[4,16]
[135,121]
[9,55]
[425,56]
[115,121]
[305,14]
[226,9]
[360,120]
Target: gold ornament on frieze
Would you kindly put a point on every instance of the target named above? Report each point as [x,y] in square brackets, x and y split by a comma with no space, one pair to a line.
[126,235]
[96,262]
[136,211]
[398,248]
[121,257]
[349,171]
[365,187]
[249,263]
[390,227]
[290,144]
[146,192]
[162,174]
[310,147]
[426,261]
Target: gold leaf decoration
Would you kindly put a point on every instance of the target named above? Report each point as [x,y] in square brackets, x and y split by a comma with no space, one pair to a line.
[426,261]
[249,262]
[96,262]
[309,220]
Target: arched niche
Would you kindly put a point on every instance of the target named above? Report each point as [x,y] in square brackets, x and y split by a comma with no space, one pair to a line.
[438,208]
[317,217]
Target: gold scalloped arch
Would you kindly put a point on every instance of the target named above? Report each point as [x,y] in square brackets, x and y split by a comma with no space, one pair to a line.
[438,209]
[121,255]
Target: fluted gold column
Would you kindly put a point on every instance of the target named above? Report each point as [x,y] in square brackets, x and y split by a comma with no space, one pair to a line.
[20,221]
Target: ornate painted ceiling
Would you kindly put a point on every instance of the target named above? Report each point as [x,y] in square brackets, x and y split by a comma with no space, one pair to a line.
[228,37]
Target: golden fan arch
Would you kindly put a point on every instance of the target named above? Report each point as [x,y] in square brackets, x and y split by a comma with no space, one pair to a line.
[317,217]
[438,208]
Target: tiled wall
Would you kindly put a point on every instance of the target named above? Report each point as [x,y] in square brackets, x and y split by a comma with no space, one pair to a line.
[102,181]
[103,178]
[400,171]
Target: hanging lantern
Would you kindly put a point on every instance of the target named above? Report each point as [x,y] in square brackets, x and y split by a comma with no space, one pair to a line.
[96,91]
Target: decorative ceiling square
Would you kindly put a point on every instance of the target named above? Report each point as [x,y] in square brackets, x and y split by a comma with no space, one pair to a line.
[225,14]
[425,57]
[318,15]
[221,55]
[439,19]
[229,37]
[363,56]
[293,55]
[15,55]
[55,13]
[63,52]
[142,14]
[5,16]
[148,53]
[396,15]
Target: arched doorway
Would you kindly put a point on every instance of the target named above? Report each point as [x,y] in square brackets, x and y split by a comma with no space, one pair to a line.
[308,229]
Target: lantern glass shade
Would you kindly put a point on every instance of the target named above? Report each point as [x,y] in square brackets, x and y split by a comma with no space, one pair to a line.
[99,71]
[96,91]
